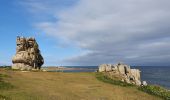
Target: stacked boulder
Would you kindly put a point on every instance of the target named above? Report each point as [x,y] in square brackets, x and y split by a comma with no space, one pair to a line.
[27,55]
[122,72]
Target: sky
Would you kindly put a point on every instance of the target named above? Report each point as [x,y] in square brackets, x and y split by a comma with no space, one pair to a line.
[89,32]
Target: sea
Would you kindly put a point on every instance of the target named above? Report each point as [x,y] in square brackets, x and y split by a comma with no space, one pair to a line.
[155,75]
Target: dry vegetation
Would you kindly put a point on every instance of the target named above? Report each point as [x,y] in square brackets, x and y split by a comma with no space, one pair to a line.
[66,86]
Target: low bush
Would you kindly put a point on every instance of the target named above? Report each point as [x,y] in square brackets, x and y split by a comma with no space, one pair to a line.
[5,67]
[156,90]
[104,78]
[150,89]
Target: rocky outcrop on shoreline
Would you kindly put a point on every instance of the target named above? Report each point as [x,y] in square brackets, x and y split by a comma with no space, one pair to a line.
[122,72]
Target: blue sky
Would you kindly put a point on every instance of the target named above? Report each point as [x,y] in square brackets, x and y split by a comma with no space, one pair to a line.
[16,20]
[89,32]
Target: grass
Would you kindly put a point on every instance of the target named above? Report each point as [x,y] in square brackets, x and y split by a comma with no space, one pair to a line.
[66,86]
[4,97]
[157,91]
[106,79]
[4,86]
[150,89]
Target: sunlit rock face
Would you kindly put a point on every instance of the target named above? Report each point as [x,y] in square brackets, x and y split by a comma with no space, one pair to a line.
[122,72]
[27,55]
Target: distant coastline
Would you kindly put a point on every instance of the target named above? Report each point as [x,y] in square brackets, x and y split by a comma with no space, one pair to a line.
[68,69]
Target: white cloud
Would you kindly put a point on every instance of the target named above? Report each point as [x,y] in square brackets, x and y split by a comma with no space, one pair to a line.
[133,31]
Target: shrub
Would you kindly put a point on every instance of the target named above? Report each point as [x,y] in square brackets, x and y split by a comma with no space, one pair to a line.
[8,68]
[104,78]
[150,89]
[5,67]
[156,90]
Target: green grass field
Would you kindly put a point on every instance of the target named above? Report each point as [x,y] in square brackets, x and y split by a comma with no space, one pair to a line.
[65,86]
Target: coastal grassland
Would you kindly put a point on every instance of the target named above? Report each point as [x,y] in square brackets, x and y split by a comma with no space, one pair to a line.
[150,89]
[157,91]
[66,86]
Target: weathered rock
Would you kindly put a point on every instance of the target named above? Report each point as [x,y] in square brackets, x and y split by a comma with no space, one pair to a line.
[144,83]
[122,72]
[136,74]
[27,55]
[102,68]
[105,67]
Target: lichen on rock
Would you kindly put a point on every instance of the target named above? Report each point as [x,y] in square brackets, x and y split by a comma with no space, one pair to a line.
[28,55]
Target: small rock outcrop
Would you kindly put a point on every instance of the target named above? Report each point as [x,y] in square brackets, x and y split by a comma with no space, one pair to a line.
[122,72]
[27,55]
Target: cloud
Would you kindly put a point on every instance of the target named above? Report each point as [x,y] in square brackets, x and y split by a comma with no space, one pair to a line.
[131,31]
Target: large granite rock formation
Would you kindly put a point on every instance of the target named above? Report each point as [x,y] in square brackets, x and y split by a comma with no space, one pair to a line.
[121,72]
[27,55]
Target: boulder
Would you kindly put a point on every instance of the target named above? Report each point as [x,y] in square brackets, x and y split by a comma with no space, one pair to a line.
[27,55]
[144,83]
